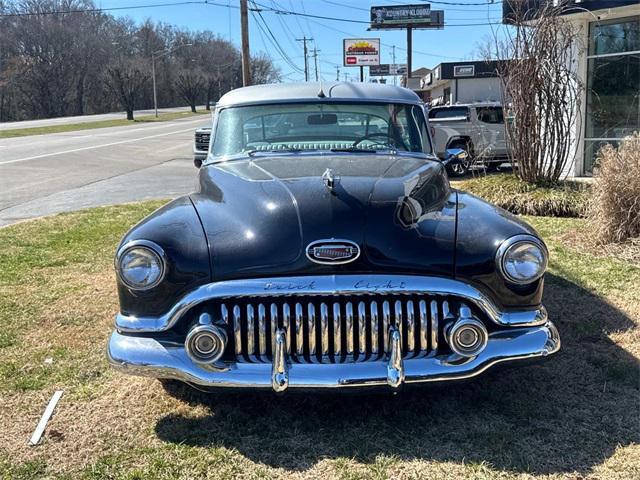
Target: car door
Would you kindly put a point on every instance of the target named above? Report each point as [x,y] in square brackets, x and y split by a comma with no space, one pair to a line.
[491,123]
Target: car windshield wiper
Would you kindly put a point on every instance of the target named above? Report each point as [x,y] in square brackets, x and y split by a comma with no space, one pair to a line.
[251,153]
[389,148]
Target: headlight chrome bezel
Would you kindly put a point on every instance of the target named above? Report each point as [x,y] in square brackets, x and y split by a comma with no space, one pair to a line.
[150,246]
[513,242]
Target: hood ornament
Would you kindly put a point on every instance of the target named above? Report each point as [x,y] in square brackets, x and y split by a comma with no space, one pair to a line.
[330,180]
[333,251]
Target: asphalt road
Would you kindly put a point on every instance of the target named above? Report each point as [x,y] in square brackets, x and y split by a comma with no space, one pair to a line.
[46,174]
[47,122]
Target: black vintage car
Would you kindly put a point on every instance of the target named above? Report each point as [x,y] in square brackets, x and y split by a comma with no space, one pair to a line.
[324,248]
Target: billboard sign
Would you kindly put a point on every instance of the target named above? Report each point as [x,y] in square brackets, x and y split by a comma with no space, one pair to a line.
[388,69]
[361,52]
[400,15]
[403,16]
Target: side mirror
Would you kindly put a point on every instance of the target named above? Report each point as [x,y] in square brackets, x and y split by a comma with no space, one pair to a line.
[197,162]
[455,155]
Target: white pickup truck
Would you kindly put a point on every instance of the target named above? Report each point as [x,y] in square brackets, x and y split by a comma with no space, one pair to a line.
[477,128]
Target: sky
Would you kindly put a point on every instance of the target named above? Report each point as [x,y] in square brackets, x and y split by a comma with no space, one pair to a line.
[459,40]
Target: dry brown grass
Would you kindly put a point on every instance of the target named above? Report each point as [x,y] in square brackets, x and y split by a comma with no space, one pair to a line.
[615,204]
[575,416]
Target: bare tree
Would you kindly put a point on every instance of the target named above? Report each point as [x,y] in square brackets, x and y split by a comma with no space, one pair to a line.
[263,70]
[542,87]
[127,79]
[190,85]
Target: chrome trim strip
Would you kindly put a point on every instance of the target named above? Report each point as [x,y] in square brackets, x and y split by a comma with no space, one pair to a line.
[332,285]
[144,355]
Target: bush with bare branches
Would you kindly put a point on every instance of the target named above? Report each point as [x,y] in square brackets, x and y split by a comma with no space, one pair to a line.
[541,88]
[615,205]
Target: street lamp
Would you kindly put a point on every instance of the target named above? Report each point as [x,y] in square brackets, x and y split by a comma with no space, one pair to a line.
[159,54]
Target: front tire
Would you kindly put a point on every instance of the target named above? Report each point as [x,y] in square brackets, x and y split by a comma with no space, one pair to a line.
[462,168]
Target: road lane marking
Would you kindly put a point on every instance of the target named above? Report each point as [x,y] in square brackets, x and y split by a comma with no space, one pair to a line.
[93,147]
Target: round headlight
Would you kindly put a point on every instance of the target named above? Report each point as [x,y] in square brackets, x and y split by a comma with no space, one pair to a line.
[522,259]
[140,265]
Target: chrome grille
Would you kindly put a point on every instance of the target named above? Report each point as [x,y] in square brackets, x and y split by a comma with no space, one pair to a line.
[202,141]
[334,329]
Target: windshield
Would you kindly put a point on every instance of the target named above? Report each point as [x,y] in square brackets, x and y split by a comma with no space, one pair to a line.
[321,126]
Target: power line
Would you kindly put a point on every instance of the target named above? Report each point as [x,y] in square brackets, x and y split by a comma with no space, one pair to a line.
[272,38]
[261,8]
[108,9]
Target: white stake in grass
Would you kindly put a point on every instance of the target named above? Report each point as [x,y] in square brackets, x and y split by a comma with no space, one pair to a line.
[37,434]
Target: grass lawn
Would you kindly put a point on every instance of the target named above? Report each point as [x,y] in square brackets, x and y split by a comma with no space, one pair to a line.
[566,199]
[72,127]
[572,417]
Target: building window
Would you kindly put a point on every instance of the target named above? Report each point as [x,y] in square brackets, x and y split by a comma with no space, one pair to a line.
[613,84]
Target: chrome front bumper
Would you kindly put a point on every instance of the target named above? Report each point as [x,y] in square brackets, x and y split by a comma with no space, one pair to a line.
[142,355]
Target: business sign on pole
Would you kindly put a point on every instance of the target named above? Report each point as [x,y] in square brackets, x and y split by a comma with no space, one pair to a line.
[361,52]
[404,16]
[388,69]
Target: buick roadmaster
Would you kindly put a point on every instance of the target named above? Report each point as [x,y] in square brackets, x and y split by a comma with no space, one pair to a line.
[325,249]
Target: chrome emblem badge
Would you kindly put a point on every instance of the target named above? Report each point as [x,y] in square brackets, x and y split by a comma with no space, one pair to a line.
[332,251]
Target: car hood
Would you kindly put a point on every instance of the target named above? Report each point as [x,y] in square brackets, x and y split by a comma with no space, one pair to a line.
[260,214]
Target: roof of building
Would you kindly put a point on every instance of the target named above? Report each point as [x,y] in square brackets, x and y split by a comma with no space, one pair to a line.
[310,91]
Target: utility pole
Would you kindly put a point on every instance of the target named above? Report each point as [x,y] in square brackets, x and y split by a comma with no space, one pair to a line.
[244,27]
[409,47]
[393,56]
[315,61]
[304,41]
[337,73]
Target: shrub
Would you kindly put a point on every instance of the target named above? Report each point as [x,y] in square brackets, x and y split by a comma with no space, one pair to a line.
[614,211]
[561,199]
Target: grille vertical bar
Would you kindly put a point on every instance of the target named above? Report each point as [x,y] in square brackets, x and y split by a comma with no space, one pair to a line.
[324,330]
[337,332]
[335,329]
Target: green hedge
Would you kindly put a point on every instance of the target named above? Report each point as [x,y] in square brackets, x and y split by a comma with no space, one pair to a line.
[565,199]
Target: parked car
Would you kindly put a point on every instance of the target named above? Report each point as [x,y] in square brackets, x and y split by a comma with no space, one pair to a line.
[201,145]
[327,250]
[477,128]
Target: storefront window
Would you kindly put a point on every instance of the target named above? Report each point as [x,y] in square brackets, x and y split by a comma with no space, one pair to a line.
[615,36]
[613,85]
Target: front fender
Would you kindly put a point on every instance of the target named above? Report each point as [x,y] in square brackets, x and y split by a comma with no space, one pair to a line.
[481,228]
[177,229]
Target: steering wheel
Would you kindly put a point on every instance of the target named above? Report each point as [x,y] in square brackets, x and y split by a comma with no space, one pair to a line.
[370,136]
